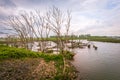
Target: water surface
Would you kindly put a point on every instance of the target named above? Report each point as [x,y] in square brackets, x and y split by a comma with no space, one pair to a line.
[100,64]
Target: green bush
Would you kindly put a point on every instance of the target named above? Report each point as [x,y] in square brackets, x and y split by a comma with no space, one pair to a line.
[12,52]
[68,55]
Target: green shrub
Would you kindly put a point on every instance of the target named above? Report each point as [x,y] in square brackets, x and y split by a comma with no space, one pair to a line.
[12,52]
[68,55]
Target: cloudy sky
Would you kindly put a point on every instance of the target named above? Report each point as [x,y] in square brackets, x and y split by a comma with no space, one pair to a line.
[95,17]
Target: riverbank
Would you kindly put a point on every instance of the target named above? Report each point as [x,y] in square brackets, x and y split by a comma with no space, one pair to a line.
[103,39]
[89,38]
[92,38]
[27,65]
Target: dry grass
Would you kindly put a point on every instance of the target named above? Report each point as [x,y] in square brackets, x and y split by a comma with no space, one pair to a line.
[34,69]
[44,70]
[27,69]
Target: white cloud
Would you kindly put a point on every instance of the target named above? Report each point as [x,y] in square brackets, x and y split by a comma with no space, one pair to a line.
[98,17]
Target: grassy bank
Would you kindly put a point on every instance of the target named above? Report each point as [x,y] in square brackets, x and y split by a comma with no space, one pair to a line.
[22,64]
[102,39]
[92,38]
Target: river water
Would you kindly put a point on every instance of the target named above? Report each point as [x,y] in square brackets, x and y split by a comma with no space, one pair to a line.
[100,64]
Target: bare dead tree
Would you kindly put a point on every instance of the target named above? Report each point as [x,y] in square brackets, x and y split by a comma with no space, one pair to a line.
[41,28]
[22,26]
[7,40]
[47,30]
[68,24]
[34,25]
[29,20]
[18,26]
[55,19]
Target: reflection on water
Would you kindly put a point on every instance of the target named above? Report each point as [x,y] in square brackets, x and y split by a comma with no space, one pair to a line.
[100,64]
